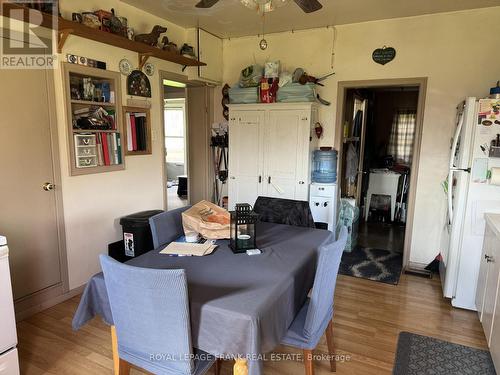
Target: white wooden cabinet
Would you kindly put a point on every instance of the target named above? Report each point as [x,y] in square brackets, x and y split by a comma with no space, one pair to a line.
[208,48]
[487,292]
[270,148]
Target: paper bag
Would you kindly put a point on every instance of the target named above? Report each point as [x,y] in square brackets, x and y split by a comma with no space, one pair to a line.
[207,219]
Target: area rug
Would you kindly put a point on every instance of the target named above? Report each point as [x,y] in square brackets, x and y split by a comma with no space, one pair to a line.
[423,355]
[372,264]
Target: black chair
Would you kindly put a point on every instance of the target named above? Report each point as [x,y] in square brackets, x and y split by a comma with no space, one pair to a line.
[284,211]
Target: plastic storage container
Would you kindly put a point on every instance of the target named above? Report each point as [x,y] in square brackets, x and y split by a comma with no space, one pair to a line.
[137,236]
[295,92]
[349,216]
[324,167]
[239,95]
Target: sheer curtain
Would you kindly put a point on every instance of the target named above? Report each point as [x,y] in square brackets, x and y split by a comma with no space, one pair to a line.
[402,136]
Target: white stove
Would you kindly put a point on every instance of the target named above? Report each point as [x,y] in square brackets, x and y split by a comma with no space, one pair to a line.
[9,362]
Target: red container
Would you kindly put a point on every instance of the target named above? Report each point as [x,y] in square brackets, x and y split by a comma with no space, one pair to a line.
[268,89]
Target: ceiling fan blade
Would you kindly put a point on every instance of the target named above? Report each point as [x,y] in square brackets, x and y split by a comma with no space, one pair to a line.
[206,3]
[309,6]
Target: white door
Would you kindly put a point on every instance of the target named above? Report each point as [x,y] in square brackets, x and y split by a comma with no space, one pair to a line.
[286,150]
[245,157]
[210,52]
[28,214]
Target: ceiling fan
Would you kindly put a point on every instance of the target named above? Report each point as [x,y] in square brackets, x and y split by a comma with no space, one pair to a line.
[308,6]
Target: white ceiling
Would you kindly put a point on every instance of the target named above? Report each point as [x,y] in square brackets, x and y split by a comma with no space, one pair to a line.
[229,18]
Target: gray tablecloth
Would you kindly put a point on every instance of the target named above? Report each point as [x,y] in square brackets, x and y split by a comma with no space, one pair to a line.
[240,304]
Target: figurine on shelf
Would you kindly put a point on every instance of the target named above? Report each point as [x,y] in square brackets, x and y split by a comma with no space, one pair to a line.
[168,45]
[151,38]
[188,51]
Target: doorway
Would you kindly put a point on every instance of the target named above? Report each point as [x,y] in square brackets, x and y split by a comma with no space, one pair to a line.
[186,170]
[175,143]
[379,143]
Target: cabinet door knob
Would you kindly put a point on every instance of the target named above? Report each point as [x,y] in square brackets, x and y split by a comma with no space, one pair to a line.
[325,204]
[489,258]
[232,178]
[301,182]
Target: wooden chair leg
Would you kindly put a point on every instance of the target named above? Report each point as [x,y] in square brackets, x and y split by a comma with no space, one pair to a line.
[308,362]
[331,347]
[218,363]
[120,366]
[124,367]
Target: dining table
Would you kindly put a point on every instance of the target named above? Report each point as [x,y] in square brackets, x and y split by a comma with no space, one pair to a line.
[241,305]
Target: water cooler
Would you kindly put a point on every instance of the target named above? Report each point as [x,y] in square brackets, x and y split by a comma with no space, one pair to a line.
[323,189]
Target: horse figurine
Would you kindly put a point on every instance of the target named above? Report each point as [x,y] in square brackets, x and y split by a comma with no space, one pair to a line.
[151,38]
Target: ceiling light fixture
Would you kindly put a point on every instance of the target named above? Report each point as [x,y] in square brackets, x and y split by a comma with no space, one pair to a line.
[263,41]
[263,5]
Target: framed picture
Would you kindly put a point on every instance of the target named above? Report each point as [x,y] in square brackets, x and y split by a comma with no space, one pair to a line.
[138,84]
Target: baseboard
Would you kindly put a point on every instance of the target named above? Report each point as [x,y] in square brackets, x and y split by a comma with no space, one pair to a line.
[416,265]
[43,300]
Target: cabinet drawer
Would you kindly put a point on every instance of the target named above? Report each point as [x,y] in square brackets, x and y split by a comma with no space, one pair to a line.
[323,191]
[86,161]
[85,140]
[86,151]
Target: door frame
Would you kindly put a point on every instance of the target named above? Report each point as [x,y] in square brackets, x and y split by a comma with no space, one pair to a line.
[181,78]
[421,83]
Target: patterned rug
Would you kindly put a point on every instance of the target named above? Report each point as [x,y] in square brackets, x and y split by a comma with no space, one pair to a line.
[372,264]
[423,355]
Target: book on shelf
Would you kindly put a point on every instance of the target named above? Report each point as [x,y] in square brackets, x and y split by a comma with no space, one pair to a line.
[119,147]
[100,160]
[105,150]
[130,146]
[136,123]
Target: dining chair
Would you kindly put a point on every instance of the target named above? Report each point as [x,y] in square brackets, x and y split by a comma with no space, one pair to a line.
[284,211]
[315,316]
[166,226]
[150,312]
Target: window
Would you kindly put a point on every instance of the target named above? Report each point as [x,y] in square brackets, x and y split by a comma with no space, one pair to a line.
[402,136]
[175,131]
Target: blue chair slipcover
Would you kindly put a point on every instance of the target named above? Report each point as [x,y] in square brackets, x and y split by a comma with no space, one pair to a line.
[317,312]
[151,315]
[166,226]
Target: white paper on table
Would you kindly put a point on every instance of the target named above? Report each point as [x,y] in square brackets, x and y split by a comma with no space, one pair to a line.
[185,248]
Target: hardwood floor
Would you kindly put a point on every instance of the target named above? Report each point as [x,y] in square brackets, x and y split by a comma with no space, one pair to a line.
[368,317]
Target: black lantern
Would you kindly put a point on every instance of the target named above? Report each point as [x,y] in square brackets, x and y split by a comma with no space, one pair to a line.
[243,229]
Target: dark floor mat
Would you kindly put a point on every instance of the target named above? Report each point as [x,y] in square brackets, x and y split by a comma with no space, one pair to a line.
[372,264]
[423,355]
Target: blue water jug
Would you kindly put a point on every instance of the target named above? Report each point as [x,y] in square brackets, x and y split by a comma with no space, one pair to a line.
[324,166]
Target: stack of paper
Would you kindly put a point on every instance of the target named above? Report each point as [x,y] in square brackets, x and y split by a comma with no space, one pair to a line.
[188,249]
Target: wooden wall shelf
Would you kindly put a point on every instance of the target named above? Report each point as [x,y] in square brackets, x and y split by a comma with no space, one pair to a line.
[67,28]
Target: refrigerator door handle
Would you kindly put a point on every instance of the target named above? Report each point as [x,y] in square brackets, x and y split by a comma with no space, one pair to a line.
[450,197]
[454,144]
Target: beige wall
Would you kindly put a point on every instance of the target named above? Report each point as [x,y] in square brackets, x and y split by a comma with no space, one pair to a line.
[456,51]
[94,203]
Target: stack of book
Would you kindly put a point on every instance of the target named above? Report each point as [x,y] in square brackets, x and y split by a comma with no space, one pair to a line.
[109,148]
[136,131]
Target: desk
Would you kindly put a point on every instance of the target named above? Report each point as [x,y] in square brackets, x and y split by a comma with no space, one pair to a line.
[240,305]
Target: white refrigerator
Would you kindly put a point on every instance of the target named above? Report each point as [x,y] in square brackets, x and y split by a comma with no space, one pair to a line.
[9,363]
[469,195]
